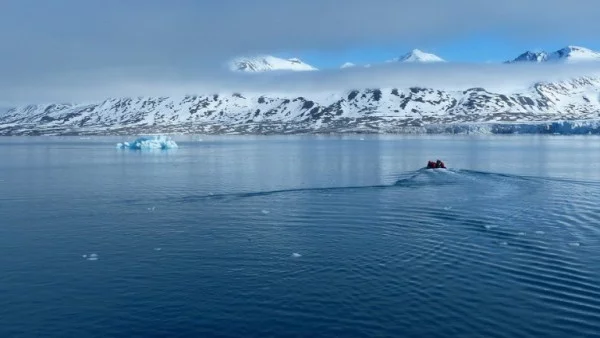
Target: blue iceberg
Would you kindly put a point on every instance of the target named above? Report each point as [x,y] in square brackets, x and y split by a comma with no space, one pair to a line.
[143,143]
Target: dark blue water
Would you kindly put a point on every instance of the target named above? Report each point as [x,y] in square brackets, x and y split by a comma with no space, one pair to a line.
[301,236]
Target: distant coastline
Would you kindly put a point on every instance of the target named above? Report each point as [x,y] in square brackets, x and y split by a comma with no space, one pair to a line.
[575,127]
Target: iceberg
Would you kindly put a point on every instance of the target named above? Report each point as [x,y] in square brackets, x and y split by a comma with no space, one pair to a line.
[155,142]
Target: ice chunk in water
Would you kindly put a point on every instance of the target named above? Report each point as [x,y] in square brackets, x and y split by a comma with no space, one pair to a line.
[91,257]
[155,142]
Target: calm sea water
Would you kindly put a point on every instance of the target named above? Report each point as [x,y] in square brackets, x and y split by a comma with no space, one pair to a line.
[306,236]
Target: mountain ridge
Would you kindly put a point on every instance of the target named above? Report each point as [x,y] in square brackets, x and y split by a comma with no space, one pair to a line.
[378,110]
[567,54]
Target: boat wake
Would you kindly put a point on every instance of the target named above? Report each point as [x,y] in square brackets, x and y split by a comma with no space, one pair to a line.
[470,184]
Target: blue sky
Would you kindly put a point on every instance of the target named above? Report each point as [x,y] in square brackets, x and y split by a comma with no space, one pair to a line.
[55,49]
[469,48]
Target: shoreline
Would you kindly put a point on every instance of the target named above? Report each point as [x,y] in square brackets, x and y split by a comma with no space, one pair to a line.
[559,127]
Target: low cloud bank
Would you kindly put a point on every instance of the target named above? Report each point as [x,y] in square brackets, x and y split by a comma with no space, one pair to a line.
[83,87]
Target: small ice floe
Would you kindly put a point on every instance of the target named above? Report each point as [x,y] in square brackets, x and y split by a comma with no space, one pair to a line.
[539,232]
[521,234]
[91,257]
[296,255]
[151,209]
[143,143]
[503,243]
[157,249]
[574,244]
[266,212]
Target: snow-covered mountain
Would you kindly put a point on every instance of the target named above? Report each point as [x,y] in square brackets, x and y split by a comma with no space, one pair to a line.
[574,54]
[268,63]
[418,56]
[272,63]
[569,54]
[529,56]
[361,110]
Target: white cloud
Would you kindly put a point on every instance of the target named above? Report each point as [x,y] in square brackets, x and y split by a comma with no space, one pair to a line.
[57,49]
[503,78]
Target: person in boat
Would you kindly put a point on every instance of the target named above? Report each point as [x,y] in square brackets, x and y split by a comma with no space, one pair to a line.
[436,164]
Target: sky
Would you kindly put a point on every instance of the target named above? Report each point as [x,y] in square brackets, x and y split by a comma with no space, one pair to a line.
[471,47]
[68,50]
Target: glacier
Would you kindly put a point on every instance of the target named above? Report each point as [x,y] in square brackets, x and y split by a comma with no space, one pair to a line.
[583,127]
[147,143]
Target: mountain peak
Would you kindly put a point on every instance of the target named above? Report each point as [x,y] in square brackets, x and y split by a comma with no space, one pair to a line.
[530,56]
[575,54]
[265,63]
[417,55]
